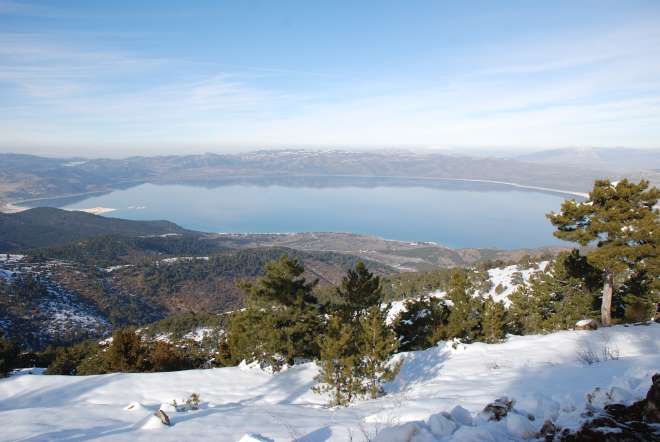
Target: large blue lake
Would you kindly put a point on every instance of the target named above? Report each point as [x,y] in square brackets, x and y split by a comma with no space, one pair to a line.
[456,214]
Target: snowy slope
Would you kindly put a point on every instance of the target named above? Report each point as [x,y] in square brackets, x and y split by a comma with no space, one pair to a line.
[543,373]
[503,276]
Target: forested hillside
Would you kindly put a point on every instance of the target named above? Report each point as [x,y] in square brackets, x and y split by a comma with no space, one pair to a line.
[64,294]
[44,226]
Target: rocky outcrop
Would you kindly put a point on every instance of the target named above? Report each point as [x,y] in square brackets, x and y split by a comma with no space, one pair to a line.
[498,409]
[618,422]
[586,324]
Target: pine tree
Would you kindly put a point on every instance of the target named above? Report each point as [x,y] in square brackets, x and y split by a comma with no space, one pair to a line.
[164,356]
[283,284]
[464,322]
[378,343]
[357,342]
[620,220]
[260,334]
[126,353]
[493,321]
[281,320]
[359,290]
[422,323]
[339,365]
[557,297]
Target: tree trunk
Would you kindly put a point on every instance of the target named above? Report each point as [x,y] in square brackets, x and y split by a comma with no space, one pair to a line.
[606,305]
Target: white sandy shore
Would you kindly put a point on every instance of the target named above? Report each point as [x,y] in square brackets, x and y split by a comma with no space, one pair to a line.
[96,210]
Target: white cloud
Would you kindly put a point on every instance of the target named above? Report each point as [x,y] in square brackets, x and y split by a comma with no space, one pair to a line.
[600,89]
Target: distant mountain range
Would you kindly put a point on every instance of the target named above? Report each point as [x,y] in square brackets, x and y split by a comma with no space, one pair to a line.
[24,177]
[614,159]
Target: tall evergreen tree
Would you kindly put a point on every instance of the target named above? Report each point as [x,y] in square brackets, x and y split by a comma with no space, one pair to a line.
[620,220]
[358,342]
[126,353]
[283,284]
[529,309]
[281,320]
[464,321]
[339,365]
[422,323]
[493,320]
[359,290]
[378,343]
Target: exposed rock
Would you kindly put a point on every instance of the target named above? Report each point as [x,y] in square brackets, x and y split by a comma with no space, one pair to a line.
[547,431]
[164,418]
[619,422]
[498,409]
[586,324]
[652,411]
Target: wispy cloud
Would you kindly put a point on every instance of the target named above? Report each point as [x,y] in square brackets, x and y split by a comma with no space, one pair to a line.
[601,88]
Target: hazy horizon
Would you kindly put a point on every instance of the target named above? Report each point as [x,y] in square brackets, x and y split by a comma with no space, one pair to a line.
[474,152]
[92,78]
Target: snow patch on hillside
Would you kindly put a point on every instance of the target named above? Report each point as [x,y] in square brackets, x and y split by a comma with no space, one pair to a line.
[65,312]
[9,258]
[504,278]
[199,334]
[183,258]
[397,307]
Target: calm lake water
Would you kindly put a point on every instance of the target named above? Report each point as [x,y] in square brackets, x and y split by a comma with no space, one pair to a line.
[456,214]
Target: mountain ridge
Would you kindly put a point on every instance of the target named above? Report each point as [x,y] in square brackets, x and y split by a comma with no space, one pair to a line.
[25,177]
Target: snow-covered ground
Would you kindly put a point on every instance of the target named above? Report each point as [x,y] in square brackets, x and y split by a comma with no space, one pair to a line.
[504,278]
[183,258]
[543,374]
[9,258]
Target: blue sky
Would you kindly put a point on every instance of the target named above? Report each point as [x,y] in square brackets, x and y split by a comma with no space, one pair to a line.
[124,77]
